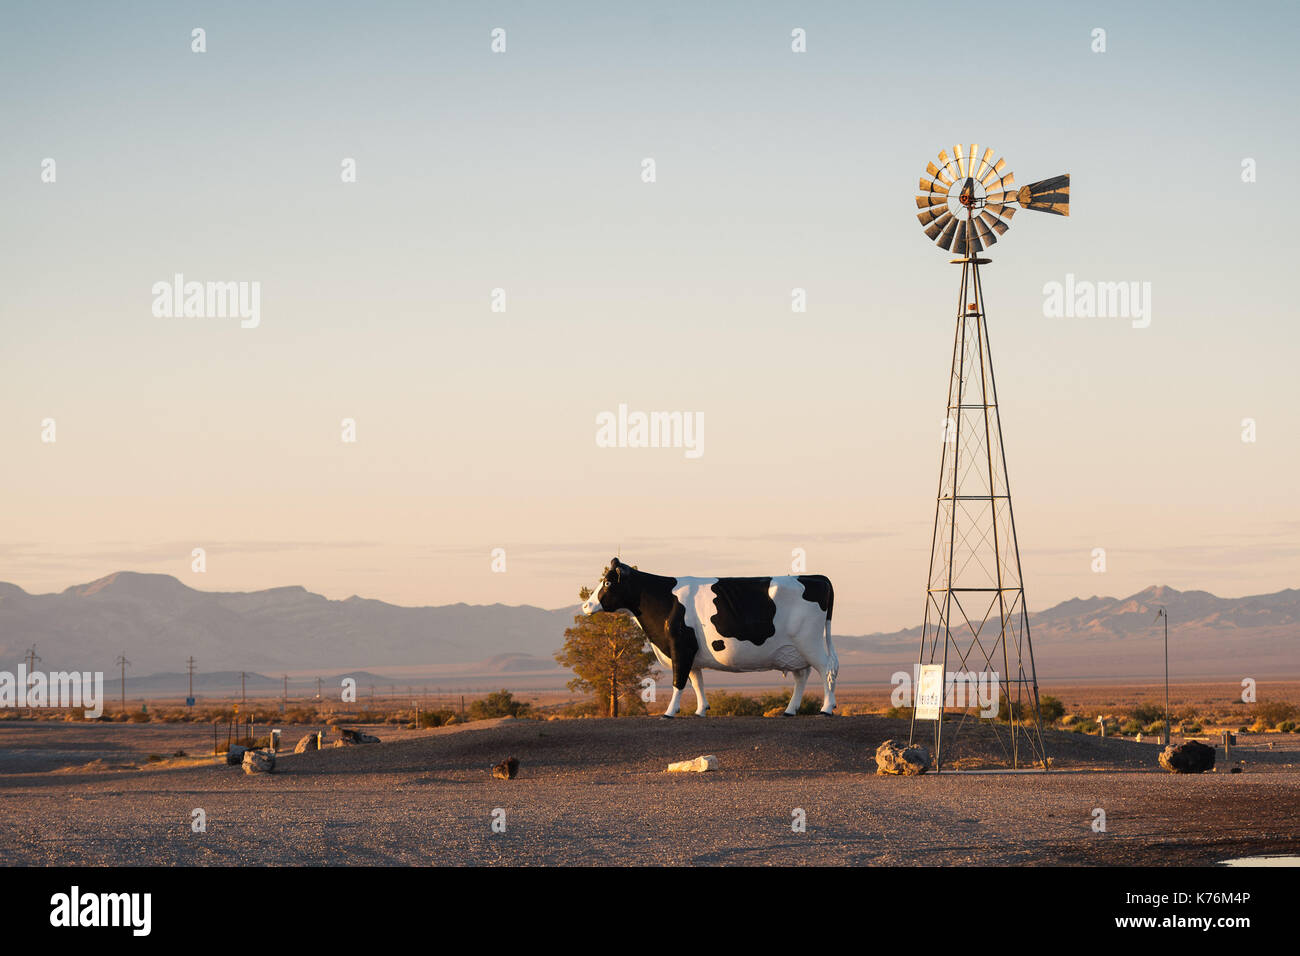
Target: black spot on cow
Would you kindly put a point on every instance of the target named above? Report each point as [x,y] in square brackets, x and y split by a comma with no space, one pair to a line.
[745,609]
[817,588]
[719,645]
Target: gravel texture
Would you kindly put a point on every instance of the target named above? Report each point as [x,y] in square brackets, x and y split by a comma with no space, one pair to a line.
[596,792]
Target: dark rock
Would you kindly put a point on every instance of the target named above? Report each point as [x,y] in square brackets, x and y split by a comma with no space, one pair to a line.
[235,755]
[1190,757]
[310,742]
[898,757]
[506,769]
[348,737]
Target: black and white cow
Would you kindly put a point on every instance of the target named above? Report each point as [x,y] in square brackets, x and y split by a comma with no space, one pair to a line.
[728,624]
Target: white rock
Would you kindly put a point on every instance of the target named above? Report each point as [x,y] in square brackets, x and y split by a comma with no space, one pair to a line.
[698,765]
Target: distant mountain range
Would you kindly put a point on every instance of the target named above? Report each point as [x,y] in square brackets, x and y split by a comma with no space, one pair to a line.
[1114,638]
[158,622]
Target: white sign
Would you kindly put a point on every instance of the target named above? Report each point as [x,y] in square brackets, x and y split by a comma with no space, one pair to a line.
[929,692]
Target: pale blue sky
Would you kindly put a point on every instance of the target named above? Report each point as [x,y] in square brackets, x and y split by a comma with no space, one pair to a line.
[521,170]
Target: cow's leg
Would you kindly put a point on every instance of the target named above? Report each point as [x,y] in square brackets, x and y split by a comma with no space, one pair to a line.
[697,685]
[829,673]
[682,640]
[796,695]
[673,704]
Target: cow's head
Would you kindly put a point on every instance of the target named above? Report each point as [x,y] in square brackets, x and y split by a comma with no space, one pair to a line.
[613,591]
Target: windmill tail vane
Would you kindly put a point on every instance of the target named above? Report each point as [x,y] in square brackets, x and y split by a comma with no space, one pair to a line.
[967,199]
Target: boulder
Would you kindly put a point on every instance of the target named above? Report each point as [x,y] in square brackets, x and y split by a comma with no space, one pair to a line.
[259,761]
[898,757]
[310,742]
[235,755]
[506,769]
[347,737]
[698,765]
[1190,757]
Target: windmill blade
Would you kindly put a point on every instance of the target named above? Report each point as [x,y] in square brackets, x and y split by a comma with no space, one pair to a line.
[1002,181]
[959,157]
[930,186]
[967,242]
[945,238]
[984,233]
[1048,195]
[994,174]
[1006,212]
[935,228]
[930,199]
[949,167]
[939,174]
[931,214]
[1006,196]
[984,164]
[991,221]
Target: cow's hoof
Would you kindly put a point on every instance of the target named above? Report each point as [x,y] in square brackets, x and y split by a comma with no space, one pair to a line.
[665,716]
[786,713]
[826,713]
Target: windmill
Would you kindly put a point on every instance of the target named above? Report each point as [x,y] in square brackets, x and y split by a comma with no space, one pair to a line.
[975,613]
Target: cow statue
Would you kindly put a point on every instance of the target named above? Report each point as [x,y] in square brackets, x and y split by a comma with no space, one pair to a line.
[728,624]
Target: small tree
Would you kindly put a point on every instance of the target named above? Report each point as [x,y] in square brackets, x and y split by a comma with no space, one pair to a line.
[609,655]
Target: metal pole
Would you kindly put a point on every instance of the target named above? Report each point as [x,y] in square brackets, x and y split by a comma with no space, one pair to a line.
[1165,615]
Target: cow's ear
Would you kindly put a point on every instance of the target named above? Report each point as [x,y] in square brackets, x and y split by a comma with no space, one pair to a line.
[613,562]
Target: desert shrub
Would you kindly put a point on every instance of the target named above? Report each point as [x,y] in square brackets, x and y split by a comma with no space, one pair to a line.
[590,707]
[435,718]
[898,713]
[1085,726]
[722,704]
[1147,713]
[1190,727]
[1158,727]
[1274,712]
[811,703]
[1130,727]
[499,703]
[1051,708]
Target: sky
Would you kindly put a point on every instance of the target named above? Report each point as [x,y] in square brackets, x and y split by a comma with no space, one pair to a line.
[523,171]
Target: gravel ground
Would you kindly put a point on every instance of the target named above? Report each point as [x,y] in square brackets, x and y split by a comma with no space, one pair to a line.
[595,791]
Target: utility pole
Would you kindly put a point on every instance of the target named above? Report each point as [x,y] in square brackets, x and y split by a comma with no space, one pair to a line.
[189,701]
[122,661]
[284,701]
[1165,614]
[32,658]
[243,695]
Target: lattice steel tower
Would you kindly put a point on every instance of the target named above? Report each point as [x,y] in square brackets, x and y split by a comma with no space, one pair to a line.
[976,619]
